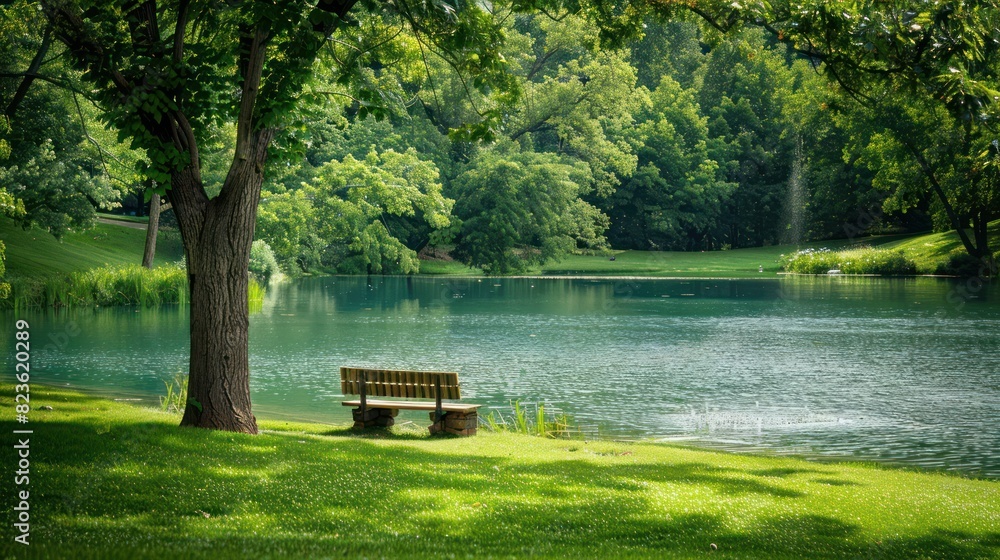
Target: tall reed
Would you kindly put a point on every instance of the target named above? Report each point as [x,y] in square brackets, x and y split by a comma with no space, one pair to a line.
[130,285]
[126,285]
[176,397]
[255,296]
[541,423]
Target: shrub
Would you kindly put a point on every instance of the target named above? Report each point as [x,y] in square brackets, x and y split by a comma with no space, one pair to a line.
[263,264]
[965,265]
[864,260]
[119,285]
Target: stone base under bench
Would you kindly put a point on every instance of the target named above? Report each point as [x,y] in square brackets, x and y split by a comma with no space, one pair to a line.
[458,423]
[382,417]
[459,419]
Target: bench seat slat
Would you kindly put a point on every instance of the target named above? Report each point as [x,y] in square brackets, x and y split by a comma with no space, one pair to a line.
[413,405]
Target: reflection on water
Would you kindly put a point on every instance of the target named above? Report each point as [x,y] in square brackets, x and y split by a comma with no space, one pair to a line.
[892,370]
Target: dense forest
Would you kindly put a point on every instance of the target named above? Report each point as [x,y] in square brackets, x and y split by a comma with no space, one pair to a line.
[676,138]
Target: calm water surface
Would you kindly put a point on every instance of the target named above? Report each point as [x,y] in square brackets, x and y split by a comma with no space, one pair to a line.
[903,371]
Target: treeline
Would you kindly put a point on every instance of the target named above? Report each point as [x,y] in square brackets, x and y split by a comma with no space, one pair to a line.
[668,143]
[675,141]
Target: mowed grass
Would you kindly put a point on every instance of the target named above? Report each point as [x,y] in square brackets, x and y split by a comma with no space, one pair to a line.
[928,251]
[739,263]
[35,253]
[123,218]
[109,480]
[736,263]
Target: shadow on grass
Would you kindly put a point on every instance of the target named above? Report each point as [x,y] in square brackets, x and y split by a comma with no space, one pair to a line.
[381,433]
[116,487]
[835,482]
[783,472]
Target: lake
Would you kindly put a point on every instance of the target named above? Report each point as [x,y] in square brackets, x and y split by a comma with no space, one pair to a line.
[904,371]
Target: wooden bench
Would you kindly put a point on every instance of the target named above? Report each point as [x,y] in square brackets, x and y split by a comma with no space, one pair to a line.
[450,417]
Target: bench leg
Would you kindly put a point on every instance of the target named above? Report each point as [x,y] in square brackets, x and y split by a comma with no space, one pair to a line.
[381,417]
[458,423]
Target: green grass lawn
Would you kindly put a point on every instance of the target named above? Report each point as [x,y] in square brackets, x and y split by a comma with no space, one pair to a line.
[36,253]
[932,249]
[109,480]
[737,263]
[123,218]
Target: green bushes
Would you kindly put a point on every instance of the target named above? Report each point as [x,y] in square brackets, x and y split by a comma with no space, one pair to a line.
[864,260]
[127,285]
[263,264]
[965,265]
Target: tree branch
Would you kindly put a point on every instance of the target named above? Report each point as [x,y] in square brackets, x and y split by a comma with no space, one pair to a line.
[192,144]
[252,67]
[86,133]
[31,74]
[69,28]
[180,29]
[956,221]
[54,81]
[144,27]
[540,62]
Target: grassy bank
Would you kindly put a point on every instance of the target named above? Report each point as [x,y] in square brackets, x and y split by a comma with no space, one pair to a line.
[927,251]
[35,253]
[103,286]
[931,250]
[114,481]
[736,263]
[129,285]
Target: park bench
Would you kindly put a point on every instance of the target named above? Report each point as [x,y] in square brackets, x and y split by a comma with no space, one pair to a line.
[450,417]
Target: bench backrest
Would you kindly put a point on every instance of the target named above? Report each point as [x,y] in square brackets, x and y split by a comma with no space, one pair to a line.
[399,383]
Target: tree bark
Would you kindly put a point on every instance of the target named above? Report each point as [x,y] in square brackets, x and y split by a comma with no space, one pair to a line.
[217,236]
[151,230]
[218,252]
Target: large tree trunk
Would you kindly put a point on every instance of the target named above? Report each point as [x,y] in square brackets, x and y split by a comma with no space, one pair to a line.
[217,236]
[152,229]
[218,253]
[219,381]
[217,233]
